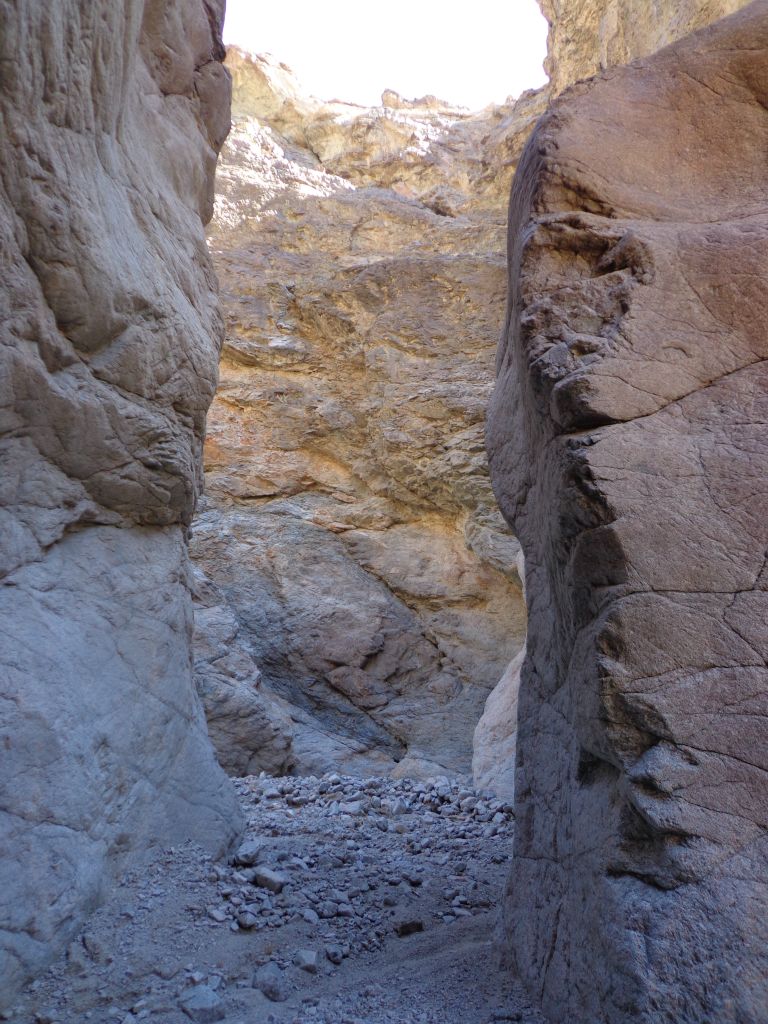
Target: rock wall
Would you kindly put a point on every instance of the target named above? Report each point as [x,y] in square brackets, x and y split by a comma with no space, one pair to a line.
[111,116]
[349,524]
[628,449]
[589,35]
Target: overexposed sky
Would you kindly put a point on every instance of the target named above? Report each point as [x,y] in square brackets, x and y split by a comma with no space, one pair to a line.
[471,52]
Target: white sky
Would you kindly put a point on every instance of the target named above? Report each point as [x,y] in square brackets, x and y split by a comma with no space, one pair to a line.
[471,52]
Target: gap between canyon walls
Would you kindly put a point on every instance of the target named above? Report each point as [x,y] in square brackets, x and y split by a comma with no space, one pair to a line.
[351,559]
[358,593]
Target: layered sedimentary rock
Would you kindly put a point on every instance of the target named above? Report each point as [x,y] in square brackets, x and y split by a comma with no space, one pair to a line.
[587,36]
[628,449]
[111,116]
[349,523]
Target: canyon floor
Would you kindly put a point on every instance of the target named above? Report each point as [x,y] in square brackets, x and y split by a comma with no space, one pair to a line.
[350,901]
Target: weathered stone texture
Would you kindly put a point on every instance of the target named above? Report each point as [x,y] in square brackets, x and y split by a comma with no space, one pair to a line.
[586,36]
[111,115]
[628,450]
[495,738]
[349,521]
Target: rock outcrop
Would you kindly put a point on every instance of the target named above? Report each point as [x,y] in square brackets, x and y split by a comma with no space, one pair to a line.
[349,522]
[111,116]
[587,36]
[628,449]
[494,742]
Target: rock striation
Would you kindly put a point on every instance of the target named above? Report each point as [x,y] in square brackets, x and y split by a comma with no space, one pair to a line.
[111,117]
[354,382]
[628,450]
[349,524]
[590,35]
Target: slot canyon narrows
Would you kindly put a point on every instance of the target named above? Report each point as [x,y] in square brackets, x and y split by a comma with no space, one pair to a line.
[358,667]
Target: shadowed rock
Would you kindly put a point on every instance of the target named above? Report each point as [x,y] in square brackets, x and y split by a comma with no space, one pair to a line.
[627,440]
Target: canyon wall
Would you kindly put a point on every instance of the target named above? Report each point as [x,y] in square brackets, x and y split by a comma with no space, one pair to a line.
[349,545]
[627,439]
[358,594]
[590,35]
[111,116]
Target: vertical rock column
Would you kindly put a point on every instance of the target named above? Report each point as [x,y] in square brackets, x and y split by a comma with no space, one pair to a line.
[629,452]
[111,116]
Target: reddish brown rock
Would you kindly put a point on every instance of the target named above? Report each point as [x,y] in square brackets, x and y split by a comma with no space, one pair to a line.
[628,449]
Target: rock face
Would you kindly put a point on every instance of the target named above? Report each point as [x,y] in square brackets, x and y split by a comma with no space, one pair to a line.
[628,450]
[249,726]
[588,35]
[349,522]
[495,738]
[111,115]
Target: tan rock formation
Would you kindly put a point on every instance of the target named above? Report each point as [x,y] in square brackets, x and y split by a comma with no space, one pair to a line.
[495,738]
[590,35]
[628,449]
[349,520]
[111,115]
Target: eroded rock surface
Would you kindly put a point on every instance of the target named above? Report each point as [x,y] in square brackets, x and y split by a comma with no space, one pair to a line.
[111,116]
[628,449]
[349,520]
[587,36]
[494,742]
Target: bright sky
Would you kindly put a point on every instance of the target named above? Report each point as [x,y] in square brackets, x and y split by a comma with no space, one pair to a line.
[469,53]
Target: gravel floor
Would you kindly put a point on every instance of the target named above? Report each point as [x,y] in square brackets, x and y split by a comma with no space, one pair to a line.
[350,901]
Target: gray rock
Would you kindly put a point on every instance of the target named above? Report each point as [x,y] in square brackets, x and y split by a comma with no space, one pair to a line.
[628,448]
[267,878]
[271,981]
[202,1004]
[107,367]
[306,960]
[251,852]
[247,722]
[355,808]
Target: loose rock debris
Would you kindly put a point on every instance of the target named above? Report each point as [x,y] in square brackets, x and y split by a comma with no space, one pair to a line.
[348,901]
